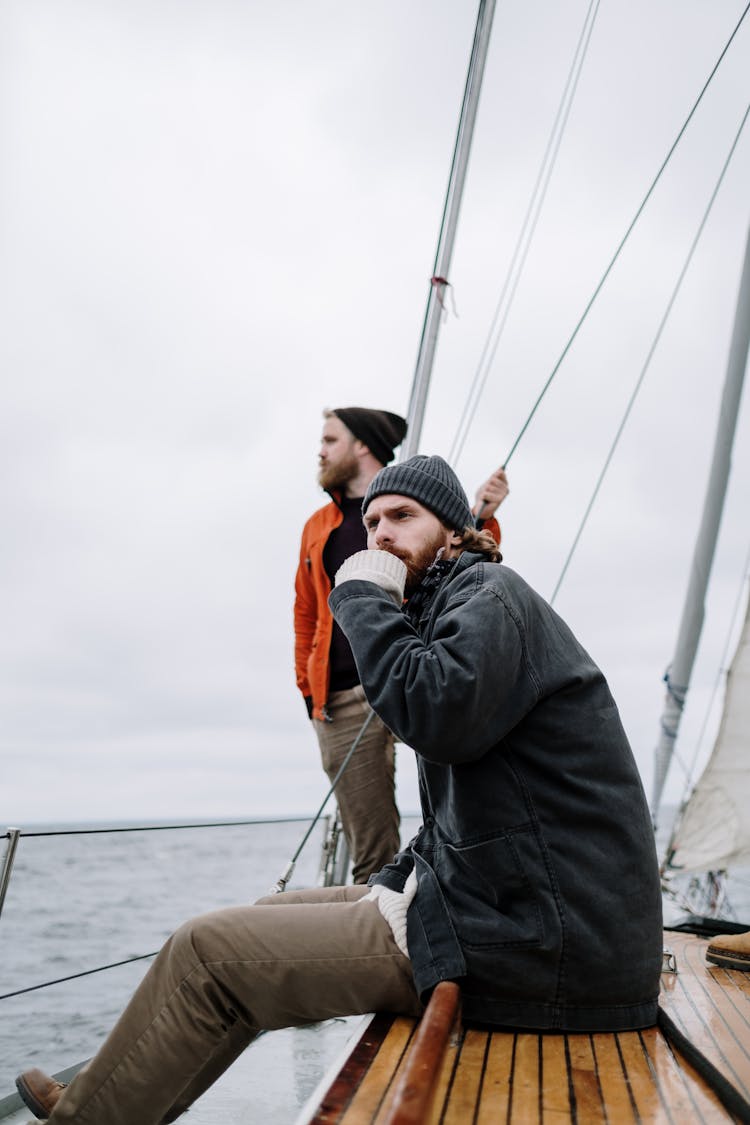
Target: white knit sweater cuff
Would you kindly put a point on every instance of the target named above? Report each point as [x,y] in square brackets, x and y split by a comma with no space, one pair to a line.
[393,905]
[380,567]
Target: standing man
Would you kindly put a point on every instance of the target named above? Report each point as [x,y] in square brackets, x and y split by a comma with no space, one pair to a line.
[356,443]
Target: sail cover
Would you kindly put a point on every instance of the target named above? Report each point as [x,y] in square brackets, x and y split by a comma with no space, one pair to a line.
[714,831]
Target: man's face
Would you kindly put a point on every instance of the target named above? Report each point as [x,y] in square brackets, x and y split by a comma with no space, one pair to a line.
[337,461]
[408,530]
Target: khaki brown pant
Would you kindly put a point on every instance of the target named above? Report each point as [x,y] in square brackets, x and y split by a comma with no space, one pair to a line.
[366,791]
[291,959]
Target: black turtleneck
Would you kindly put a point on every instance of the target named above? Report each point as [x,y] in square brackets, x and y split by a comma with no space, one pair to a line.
[345,540]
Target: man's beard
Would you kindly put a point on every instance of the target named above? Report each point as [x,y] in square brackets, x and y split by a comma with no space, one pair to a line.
[419,562]
[339,474]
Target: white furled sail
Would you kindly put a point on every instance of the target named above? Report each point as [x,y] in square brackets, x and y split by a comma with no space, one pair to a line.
[678,674]
[714,830]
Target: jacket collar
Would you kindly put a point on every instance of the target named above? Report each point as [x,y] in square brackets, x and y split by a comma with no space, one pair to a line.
[337,495]
[424,595]
[437,575]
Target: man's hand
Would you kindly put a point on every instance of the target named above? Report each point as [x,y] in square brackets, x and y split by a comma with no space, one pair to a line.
[490,495]
[380,567]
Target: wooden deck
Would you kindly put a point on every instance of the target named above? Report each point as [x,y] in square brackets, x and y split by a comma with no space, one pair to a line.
[478,1077]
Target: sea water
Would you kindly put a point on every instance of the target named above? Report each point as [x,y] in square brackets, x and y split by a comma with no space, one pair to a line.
[77,902]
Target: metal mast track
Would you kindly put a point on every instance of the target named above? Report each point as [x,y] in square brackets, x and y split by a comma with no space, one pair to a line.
[678,674]
[439,281]
[334,858]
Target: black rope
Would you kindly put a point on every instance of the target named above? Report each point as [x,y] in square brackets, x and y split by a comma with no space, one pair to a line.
[166,827]
[75,976]
[729,1096]
[624,238]
[155,827]
[139,828]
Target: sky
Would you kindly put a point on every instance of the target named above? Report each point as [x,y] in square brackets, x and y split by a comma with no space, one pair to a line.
[219,218]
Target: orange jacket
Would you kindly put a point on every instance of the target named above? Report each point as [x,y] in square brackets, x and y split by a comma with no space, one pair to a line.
[313,623]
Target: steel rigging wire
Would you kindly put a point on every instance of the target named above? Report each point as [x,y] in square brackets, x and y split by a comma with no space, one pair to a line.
[650,354]
[625,237]
[585,36]
[523,243]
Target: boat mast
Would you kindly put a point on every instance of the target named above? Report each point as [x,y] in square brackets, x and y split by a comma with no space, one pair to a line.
[678,674]
[446,238]
[333,858]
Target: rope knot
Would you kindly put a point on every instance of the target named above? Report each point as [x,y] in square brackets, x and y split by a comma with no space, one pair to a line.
[440,284]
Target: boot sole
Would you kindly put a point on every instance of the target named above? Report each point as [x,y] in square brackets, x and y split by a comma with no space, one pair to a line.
[728,960]
[30,1101]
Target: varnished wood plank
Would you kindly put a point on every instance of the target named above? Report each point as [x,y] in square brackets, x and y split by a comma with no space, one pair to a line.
[523,1079]
[587,1094]
[525,1102]
[683,1093]
[465,1088]
[740,982]
[733,1032]
[555,1098]
[641,1078]
[375,1085]
[415,1089]
[711,1011]
[498,1070]
[615,1091]
[444,1080]
[344,1085]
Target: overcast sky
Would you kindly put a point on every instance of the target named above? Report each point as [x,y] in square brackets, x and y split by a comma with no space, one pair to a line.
[217,218]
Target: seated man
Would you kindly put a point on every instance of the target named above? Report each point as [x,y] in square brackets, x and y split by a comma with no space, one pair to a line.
[533,881]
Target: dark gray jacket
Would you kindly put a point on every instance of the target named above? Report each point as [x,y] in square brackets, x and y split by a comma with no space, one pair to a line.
[538,886]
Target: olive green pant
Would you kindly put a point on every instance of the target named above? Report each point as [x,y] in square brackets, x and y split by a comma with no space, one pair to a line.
[366,791]
[291,959]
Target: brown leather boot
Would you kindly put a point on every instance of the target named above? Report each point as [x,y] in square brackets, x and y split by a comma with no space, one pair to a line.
[731,951]
[40,1092]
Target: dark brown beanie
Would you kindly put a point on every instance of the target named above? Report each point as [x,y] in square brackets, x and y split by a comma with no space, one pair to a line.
[379,430]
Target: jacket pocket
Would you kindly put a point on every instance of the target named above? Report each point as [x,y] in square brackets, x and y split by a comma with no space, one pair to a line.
[491,891]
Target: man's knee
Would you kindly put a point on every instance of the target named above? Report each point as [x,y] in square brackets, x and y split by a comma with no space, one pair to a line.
[202,938]
[274,899]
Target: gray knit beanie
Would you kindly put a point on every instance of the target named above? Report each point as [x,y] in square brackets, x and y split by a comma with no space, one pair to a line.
[429,480]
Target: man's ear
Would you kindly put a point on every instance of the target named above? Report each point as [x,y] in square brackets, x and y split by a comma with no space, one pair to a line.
[454,543]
